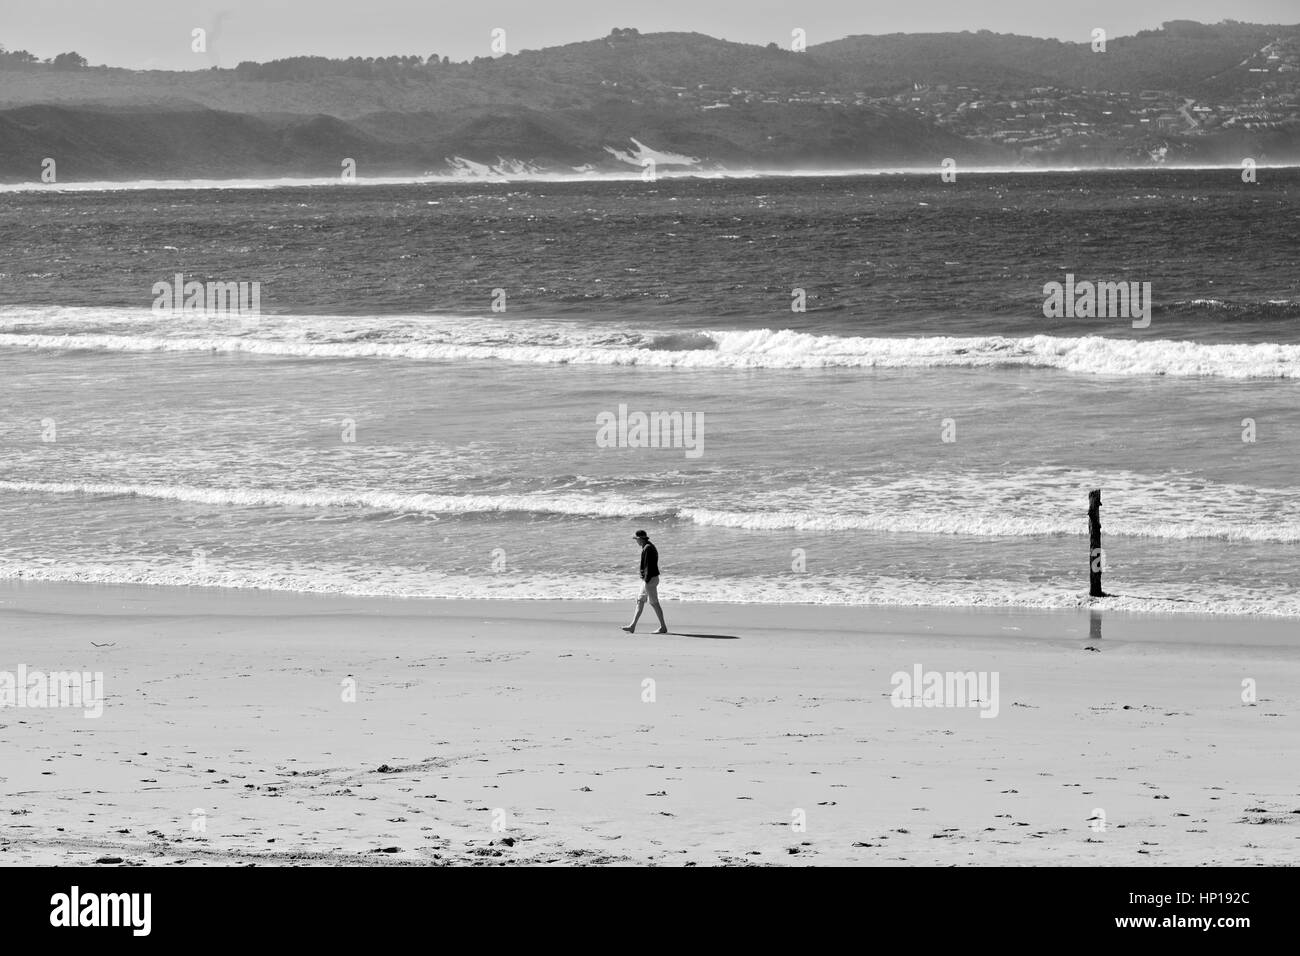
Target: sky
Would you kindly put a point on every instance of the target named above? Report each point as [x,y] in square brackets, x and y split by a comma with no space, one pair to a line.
[157,34]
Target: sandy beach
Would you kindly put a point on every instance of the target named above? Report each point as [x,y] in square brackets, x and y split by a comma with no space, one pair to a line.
[491,732]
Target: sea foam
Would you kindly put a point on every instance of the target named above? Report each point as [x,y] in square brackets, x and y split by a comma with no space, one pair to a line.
[478,338]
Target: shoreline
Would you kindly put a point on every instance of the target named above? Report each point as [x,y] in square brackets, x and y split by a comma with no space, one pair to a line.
[1199,626]
[225,737]
[558,178]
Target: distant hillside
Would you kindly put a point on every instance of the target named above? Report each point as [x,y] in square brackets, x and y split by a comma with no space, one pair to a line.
[90,143]
[1190,57]
[841,103]
[1183,56]
[575,75]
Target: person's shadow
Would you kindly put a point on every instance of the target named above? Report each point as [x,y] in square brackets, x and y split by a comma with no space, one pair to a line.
[712,637]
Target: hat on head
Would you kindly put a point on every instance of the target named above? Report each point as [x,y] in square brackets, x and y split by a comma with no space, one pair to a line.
[641,534]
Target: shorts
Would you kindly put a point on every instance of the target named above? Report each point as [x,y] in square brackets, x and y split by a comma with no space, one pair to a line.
[650,590]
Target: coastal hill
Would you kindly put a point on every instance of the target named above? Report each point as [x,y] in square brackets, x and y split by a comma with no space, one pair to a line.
[1189,57]
[1188,91]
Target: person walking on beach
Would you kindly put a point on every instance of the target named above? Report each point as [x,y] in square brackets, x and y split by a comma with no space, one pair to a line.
[650,584]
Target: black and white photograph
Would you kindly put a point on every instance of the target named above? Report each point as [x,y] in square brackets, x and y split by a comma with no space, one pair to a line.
[610,435]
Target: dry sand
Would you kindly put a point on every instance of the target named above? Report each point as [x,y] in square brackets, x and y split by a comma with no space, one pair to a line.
[225,738]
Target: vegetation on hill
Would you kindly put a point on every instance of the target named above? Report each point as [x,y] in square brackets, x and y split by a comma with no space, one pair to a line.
[841,103]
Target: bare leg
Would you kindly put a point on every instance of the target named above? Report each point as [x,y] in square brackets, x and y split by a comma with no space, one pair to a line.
[640,606]
[659,613]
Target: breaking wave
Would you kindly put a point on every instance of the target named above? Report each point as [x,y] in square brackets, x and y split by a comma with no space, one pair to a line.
[448,338]
[890,512]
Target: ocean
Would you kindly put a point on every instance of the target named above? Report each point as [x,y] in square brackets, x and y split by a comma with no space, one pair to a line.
[919,434]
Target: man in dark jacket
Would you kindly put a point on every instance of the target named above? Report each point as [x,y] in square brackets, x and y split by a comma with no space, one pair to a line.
[650,587]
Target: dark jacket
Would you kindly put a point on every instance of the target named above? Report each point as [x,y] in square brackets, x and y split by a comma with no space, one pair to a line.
[649,562]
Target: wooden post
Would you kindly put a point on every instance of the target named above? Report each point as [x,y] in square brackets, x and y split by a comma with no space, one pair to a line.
[1094,544]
